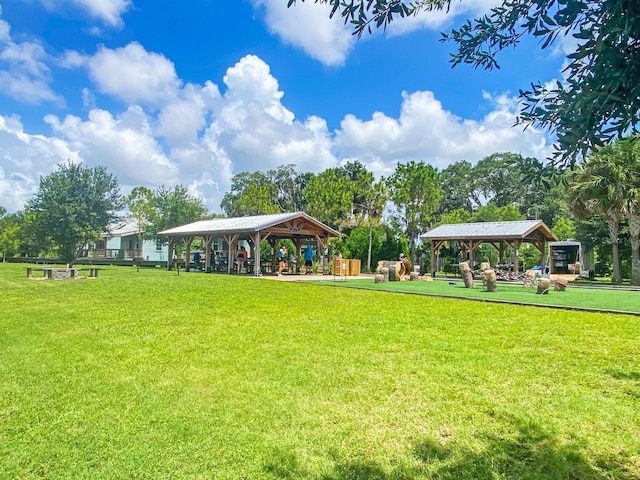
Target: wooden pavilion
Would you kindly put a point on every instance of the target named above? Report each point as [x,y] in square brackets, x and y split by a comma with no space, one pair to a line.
[296,226]
[499,234]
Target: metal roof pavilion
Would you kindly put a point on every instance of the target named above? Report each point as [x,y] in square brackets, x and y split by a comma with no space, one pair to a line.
[499,234]
[520,229]
[296,226]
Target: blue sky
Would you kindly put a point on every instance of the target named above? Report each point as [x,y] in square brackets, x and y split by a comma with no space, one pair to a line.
[192,93]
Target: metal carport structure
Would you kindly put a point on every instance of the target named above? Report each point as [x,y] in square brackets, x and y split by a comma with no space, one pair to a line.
[499,234]
[296,226]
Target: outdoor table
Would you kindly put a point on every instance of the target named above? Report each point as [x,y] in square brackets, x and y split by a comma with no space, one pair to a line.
[48,272]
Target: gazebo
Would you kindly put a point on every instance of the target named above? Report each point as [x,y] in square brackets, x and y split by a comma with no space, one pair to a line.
[296,226]
[499,234]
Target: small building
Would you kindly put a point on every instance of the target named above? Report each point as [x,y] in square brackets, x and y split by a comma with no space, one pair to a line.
[124,241]
[565,257]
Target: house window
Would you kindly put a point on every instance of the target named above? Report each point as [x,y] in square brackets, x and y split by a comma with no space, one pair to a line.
[158,245]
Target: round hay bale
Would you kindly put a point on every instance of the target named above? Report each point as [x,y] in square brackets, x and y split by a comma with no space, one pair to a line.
[530,279]
[543,286]
[490,282]
[384,271]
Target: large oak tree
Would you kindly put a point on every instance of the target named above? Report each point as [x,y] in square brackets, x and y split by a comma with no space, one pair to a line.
[74,205]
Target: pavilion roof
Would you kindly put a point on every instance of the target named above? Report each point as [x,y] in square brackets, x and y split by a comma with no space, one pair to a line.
[492,231]
[284,224]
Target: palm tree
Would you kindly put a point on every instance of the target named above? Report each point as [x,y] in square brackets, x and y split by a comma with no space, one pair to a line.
[371,208]
[598,189]
[628,152]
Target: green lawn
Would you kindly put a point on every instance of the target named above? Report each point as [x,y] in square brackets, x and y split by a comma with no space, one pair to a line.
[155,375]
[613,299]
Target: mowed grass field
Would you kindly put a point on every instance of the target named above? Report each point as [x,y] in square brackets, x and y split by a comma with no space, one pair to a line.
[592,297]
[154,375]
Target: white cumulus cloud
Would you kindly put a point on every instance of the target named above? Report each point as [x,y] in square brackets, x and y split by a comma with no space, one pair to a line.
[24,158]
[124,143]
[108,11]
[24,71]
[134,75]
[307,26]
[425,131]
[176,133]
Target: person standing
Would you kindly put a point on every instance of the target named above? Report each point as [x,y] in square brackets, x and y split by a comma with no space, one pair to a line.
[282,255]
[308,260]
[241,258]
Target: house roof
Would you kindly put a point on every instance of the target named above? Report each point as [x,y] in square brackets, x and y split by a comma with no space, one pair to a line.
[284,224]
[121,229]
[491,231]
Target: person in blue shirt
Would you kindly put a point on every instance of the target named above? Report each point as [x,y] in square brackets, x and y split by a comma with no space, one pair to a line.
[308,259]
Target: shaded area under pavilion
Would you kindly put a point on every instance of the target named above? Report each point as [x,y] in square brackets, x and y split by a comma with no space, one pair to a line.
[296,226]
[499,234]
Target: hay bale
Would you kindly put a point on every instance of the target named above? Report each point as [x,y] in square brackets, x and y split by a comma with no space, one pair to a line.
[530,279]
[426,278]
[543,286]
[413,276]
[384,271]
[490,283]
[467,278]
[394,273]
[560,285]
[379,278]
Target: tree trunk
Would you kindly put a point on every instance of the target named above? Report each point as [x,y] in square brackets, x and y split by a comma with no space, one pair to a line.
[369,250]
[614,224]
[634,234]
[412,248]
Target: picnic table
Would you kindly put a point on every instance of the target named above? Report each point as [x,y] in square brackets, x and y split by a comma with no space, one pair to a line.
[55,273]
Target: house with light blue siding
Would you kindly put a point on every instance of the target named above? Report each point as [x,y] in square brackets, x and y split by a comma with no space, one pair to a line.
[124,241]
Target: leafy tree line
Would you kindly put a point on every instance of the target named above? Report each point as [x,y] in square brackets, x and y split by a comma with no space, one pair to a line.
[75,205]
[379,218]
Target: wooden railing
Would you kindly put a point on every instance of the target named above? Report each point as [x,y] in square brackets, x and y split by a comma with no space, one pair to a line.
[112,253]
